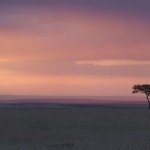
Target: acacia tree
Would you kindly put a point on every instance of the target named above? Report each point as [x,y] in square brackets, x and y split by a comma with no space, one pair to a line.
[144,88]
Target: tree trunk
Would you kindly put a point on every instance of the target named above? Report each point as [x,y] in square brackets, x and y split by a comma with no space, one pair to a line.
[148,101]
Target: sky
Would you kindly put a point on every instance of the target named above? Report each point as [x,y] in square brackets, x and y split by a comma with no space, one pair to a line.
[74,47]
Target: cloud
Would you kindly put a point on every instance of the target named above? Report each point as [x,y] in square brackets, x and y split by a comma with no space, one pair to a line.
[69,36]
[55,46]
[138,7]
[113,62]
[111,68]
[52,42]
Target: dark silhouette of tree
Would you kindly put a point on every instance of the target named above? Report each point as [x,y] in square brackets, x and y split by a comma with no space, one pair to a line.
[144,88]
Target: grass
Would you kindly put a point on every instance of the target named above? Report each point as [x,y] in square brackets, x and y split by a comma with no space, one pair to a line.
[76,129]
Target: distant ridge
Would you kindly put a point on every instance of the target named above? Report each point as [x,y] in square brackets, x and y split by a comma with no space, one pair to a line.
[29,101]
[67,105]
[11,97]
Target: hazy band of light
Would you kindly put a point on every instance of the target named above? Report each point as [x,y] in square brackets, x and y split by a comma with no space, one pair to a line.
[112,62]
[4,60]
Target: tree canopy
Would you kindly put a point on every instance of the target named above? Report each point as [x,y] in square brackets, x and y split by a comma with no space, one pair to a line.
[144,88]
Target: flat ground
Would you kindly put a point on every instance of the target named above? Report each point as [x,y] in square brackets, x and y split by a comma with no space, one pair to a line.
[76,129]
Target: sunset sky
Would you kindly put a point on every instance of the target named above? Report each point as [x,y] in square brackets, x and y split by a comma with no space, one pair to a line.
[74,47]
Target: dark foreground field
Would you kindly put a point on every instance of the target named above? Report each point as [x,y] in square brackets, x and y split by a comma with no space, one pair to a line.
[76,129]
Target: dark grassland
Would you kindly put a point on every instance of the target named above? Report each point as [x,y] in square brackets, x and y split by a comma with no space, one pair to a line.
[74,128]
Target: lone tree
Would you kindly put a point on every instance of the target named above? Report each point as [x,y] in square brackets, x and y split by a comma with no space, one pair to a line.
[145,88]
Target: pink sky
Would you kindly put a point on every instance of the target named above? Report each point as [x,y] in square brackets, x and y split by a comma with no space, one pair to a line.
[73,48]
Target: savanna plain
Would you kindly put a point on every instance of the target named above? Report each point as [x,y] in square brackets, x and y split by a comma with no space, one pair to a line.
[74,128]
